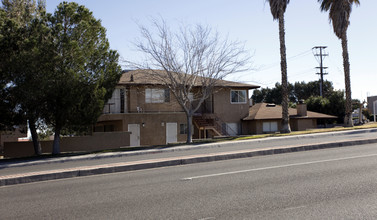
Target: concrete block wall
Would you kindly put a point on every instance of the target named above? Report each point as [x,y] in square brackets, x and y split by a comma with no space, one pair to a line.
[98,141]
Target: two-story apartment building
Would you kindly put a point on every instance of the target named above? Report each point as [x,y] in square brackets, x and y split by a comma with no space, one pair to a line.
[144,106]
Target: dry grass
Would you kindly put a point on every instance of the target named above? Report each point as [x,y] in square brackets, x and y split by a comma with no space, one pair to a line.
[313,131]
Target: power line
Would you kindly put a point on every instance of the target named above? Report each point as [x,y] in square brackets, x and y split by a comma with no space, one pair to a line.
[301,72]
[272,65]
[273,82]
[319,53]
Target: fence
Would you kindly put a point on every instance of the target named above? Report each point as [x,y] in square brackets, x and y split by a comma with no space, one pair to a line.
[98,141]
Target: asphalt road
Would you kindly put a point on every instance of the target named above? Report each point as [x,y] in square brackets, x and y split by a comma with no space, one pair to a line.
[334,183]
[60,163]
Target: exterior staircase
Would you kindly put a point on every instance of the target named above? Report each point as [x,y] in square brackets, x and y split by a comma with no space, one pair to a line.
[208,122]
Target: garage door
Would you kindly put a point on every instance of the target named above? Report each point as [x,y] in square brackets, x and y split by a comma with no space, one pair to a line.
[269,127]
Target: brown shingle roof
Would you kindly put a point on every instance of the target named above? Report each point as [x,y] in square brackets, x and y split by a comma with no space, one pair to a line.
[262,111]
[143,77]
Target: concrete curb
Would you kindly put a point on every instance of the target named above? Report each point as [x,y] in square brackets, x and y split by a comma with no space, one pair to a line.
[164,162]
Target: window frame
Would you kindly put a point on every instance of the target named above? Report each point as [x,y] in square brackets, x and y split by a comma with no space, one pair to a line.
[164,96]
[238,90]
[122,95]
[183,129]
[270,124]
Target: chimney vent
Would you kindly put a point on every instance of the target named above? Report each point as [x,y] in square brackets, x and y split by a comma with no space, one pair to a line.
[302,108]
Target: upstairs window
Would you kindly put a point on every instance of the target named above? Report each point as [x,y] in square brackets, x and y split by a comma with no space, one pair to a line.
[117,103]
[191,96]
[157,95]
[122,101]
[238,96]
[167,95]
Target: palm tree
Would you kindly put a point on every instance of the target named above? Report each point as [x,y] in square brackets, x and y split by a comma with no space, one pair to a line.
[278,8]
[339,16]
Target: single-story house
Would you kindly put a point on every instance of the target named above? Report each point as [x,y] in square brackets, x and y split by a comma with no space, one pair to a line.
[266,118]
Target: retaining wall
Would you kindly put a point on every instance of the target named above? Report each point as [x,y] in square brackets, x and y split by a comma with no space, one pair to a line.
[98,141]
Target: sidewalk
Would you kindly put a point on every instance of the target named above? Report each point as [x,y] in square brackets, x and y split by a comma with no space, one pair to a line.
[57,168]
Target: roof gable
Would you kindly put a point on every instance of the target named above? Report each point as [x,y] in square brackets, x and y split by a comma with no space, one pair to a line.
[264,111]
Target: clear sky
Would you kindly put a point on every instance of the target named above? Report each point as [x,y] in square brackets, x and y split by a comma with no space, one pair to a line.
[250,21]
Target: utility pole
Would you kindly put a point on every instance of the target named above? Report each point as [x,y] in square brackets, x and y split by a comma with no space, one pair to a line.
[320,57]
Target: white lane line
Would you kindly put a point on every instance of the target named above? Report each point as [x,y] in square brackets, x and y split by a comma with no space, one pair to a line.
[279,166]
[293,208]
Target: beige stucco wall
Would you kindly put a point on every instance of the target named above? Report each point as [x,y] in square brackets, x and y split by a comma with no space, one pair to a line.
[9,136]
[259,125]
[116,123]
[98,141]
[256,126]
[156,115]
[136,96]
[303,124]
[225,110]
[18,149]
[132,99]
[154,130]
[249,127]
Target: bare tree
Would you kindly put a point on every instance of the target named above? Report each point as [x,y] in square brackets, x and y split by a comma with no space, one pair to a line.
[190,63]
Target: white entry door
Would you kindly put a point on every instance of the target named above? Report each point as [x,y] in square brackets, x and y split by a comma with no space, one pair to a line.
[135,134]
[232,129]
[171,133]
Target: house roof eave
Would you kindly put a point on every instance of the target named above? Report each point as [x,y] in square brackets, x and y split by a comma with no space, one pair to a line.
[140,77]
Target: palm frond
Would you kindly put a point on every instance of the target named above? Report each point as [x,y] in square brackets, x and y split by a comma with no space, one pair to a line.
[277,7]
[339,13]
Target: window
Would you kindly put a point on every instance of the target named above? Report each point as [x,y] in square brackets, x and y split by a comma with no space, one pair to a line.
[191,96]
[269,127]
[157,95]
[238,96]
[121,100]
[117,102]
[167,95]
[183,128]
